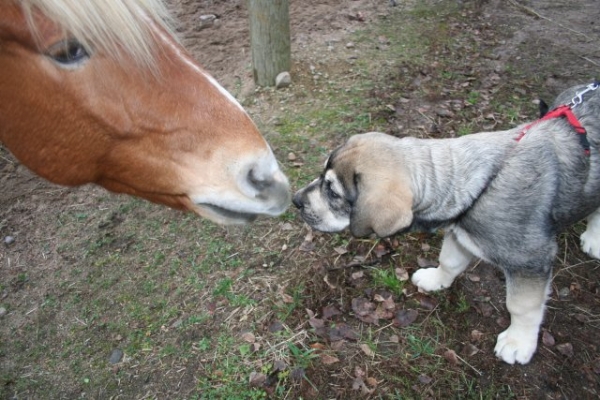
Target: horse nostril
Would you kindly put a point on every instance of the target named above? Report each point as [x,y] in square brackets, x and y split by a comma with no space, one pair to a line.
[258,183]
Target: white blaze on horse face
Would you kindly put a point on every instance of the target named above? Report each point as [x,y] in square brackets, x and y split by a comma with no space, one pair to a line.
[192,64]
[260,185]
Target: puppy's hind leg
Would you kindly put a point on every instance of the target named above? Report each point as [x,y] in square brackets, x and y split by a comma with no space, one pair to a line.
[525,300]
[454,259]
[590,239]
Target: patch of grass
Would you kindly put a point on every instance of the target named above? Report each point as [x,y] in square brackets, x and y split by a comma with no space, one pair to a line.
[386,278]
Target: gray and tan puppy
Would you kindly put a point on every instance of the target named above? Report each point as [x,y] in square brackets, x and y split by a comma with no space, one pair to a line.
[499,196]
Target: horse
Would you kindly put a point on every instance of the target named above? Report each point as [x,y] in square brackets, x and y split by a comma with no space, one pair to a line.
[103,92]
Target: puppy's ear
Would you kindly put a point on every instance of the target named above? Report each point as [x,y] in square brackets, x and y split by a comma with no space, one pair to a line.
[383,204]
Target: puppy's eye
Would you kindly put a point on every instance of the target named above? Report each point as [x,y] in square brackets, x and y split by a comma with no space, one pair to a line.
[330,191]
[68,53]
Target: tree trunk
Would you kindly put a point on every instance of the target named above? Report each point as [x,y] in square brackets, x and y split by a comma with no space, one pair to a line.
[270,39]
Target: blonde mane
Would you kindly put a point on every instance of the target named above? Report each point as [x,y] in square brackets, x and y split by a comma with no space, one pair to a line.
[118,28]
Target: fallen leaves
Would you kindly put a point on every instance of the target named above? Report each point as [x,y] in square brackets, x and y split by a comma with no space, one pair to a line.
[367,350]
[404,318]
[307,244]
[366,385]
[365,310]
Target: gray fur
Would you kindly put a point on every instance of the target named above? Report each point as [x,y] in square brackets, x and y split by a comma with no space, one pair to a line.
[499,199]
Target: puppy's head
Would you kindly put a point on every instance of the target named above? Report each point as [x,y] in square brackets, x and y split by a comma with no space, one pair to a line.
[364,186]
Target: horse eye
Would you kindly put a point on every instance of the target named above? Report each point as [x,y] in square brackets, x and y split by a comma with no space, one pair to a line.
[68,52]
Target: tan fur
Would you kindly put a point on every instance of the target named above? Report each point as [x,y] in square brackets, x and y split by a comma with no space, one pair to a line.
[383,206]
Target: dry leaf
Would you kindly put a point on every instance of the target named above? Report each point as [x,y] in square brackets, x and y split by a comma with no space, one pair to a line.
[485,309]
[337,345]
[394,339]
[473,277]
[402,274]
[357,261]
[317,346]
[381,250]
[424,379]
[257,379]
[342,331]
[503,322]
[581,318]
[316,323]
[476,335]
[364,310]
[328,360]
[424,263]
[249,337]
[451,357]
[427,302]
[357,275]
[405,317]
[330,311]
[358,372]
[372,382]
[548,339]
[470,350]
[340,250]
[275,326]
[367,350]
[331,286]
[286,298]
[297,374]
[307,245]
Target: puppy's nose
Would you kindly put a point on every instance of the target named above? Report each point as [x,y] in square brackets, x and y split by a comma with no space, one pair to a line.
[297,200]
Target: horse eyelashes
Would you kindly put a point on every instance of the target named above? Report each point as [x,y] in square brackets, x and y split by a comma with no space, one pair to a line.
[68,52]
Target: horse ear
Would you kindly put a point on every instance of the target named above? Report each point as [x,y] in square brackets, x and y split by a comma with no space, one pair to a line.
[383,205]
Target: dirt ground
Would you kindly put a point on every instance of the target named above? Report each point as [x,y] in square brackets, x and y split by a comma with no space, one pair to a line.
[552,43]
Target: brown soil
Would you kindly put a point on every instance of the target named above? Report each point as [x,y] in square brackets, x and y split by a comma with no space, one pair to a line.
[552,43]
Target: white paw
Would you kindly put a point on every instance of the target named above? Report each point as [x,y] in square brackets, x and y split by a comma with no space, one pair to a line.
[517,344]
[431,279]
[590,243]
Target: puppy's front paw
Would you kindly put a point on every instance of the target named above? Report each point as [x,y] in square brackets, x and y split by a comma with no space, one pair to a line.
[431,279]
[517,344]
[590,243]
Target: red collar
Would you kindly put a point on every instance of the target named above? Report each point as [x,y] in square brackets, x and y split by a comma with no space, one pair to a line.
[564,111]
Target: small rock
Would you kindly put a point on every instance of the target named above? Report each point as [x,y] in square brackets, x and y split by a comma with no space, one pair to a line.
[350,45]
[116,356]
[206,21]
[257,379]
[9,240]
[3,312]
[292,157]
[283,80]
[548,339]
[444,113]
[564,292]
[566,349]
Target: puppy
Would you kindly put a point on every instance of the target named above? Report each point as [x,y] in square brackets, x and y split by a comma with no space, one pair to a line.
[499,196]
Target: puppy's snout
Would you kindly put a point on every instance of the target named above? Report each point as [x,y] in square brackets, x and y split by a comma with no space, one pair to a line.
[297,200]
